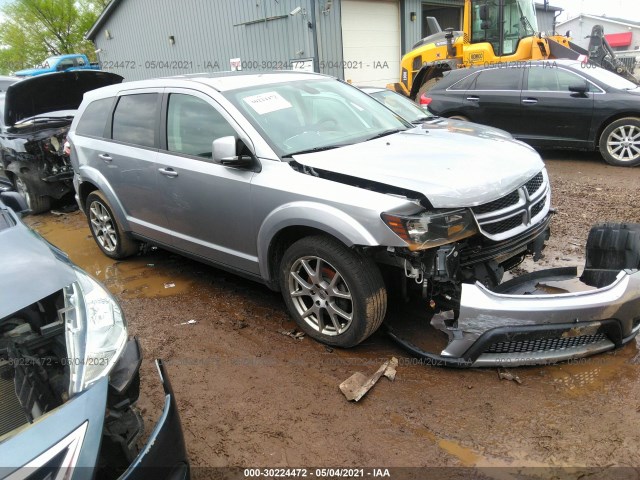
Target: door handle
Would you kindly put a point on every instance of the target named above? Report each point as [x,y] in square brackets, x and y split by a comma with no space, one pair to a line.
[168,172]
[473,99]
[105,156]
[530,101]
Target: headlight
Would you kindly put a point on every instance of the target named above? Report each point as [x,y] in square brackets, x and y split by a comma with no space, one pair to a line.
[96,331]
[431,229]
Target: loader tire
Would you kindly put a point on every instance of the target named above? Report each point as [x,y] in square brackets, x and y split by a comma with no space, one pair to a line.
[611,247]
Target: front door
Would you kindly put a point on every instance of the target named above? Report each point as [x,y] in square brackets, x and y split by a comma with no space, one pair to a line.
[555,116]
[208,205]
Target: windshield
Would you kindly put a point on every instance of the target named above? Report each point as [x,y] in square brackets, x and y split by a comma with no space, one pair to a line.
[610,79]
[528,22]
[307,115]
[517,18]
[403,106]
[49,62]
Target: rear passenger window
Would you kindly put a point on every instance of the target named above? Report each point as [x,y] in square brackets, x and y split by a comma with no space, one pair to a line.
[193,125]
[499,79]
[134,120]
[94,118]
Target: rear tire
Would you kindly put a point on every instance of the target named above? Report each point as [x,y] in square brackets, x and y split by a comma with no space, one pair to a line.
[620,142]
[426,86]
[335,295]
[611,247]
[107,232]
[37,203]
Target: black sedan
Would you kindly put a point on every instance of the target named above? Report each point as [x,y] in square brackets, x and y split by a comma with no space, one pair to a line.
[548,104]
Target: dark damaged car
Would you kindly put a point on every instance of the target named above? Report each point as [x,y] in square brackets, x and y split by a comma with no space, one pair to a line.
[37,114]
[69,372]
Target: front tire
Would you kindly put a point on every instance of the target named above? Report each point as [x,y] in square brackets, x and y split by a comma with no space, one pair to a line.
[335,295]
[620,142]
[36,203]
[106,231]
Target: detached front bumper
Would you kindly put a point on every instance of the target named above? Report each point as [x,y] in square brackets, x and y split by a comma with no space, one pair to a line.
[164,456]
[515,329]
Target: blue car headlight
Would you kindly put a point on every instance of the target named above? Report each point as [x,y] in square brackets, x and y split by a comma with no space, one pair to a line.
[95,329]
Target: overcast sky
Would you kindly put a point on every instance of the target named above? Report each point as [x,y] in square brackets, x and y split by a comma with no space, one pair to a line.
[629,9]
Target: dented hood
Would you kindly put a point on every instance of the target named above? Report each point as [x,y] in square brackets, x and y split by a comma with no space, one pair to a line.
[52,92]
[452,168]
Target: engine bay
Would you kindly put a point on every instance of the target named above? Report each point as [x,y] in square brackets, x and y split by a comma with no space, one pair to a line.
[34,373]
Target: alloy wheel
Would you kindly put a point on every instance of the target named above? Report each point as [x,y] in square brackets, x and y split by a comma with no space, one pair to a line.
[623,143]
[103,227]
[321,295]
[23,190]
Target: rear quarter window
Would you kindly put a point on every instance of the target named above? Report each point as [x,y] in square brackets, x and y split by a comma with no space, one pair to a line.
[134,120]
[465,83]
[94,118]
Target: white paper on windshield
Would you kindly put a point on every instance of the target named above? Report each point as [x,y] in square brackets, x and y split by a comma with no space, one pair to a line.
[267,102]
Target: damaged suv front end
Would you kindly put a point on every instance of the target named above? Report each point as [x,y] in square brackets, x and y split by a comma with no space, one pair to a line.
[343,201]
[69,373]
[37,114]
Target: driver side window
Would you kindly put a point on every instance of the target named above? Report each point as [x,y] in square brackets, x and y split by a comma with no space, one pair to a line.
[193,124]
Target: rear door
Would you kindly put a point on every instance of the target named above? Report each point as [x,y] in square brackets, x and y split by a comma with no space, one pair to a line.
[208,205]
[494,98]
[125,155]
[554,115]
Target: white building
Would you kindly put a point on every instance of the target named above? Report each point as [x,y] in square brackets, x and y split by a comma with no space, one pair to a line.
[621,34]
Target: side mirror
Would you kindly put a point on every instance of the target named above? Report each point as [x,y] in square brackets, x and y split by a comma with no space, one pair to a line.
[60,67]
[484,12]
[15,202]
[225,152]
[582,89]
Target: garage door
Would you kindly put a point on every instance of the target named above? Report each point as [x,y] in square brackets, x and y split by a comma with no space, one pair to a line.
[371,41]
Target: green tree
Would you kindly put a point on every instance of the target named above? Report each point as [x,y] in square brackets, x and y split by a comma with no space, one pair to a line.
[36,29]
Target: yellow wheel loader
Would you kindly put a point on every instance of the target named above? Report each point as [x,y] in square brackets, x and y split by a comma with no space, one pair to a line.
[495,32]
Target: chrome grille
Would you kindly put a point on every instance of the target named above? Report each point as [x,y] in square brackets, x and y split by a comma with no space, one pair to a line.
[534,184]
[515,212]
[503,225]
[499,204]
[545,344]
[538,207]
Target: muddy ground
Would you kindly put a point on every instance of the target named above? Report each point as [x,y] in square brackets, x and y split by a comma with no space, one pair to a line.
[250,396]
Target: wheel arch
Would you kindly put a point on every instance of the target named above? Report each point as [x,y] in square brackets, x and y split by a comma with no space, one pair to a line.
[294,221]
[429,71]
[608,121]
[92,180]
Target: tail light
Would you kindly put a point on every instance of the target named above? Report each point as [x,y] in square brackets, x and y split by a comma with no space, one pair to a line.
[424,100]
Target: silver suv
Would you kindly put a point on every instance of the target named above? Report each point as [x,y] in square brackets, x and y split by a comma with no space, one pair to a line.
[309,185]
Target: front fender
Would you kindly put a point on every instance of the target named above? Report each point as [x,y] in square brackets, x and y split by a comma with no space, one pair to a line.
[329,219]
[91,175]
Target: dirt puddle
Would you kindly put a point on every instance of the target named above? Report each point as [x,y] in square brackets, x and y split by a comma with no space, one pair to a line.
[598,373]
[157,274]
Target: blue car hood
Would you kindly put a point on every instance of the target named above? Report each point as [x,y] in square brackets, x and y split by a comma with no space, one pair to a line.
[25,252]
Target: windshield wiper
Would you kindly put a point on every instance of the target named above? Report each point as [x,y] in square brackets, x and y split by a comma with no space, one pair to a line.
[314,149]
[391,131]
